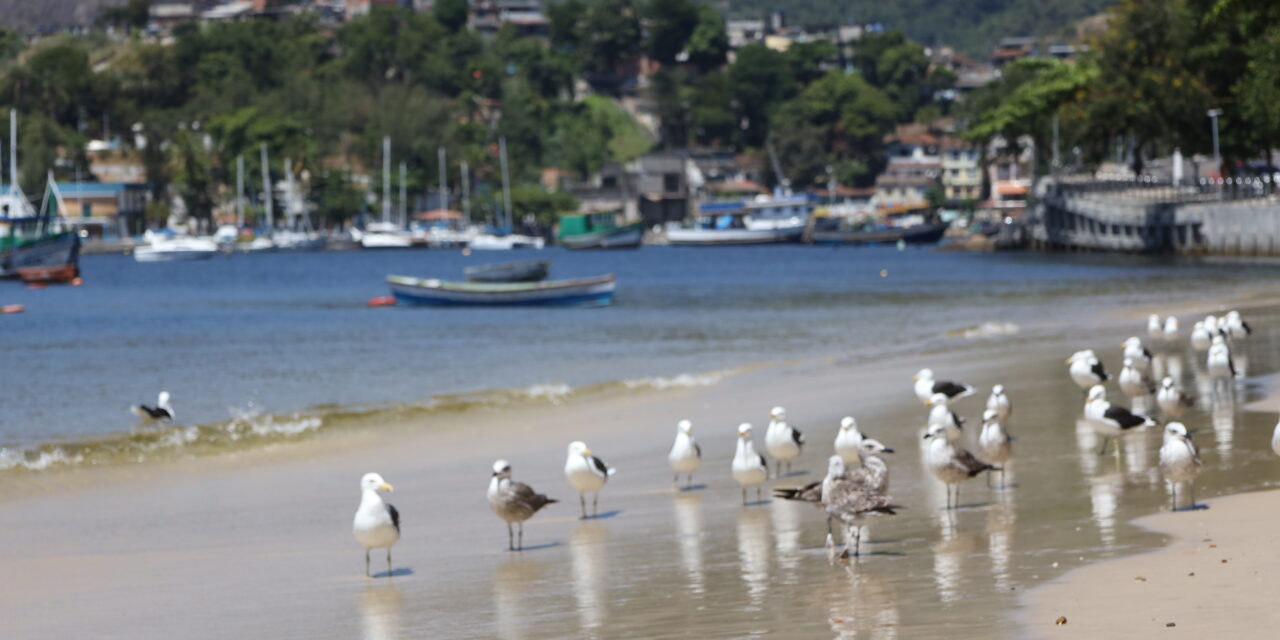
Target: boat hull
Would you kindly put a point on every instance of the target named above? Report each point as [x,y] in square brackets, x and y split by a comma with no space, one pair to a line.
[148,254]
[626,237]
[52,252]
[509,272]
[678,236]
[590,292]
[919,234]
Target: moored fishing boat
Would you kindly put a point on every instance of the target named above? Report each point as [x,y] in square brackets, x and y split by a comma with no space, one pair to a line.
[163,248]
[509,272]
[34,245]
[762,221]
[598,231]
[907,226]
[591,292]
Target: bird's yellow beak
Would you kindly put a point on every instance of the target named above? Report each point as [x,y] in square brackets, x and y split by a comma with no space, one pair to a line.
[1069,360]
[386,486]
[586,452]
[915,377]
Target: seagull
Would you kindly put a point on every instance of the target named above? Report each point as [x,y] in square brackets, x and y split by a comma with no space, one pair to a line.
[1236,327]
[994,444]
[749,468]
[1108,420]
[1275,439]
[513,501]
[999,402]
[851,501]
[781,440]
[847,440]
[1154,328]
[1134,350]
[163,411]
[942,415]
[1213,325]
[1200,338]
[377,523]
[1086,370]
[868,468]
[926,386]
[1179,461]
[1173,402]
[815,492]
[949,463]
[1220,364]
[686,455]
[1134,382]
[586,472]
[1170,333]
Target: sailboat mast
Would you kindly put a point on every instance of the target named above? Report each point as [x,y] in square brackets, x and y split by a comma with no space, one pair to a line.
[386,179]
[13,149]
[506,181]
[466,193]
[240,190]
[444,187]
[266,186]
[289,214]
[404,199]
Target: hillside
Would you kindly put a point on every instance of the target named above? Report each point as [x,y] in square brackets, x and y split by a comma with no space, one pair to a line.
[29,15]
[973,26]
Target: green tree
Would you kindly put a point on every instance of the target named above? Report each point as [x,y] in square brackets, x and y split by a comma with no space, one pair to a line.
[839,118]
[611,32]
[708,45]
[451,13]
[670,23]
[759,80]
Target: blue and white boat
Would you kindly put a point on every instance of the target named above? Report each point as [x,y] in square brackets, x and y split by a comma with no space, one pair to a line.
[765,220]
[587,292]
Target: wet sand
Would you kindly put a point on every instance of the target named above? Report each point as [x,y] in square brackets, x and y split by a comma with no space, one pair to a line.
[258,544]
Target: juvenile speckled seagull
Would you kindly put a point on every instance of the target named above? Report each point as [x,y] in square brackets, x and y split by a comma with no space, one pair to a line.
[686,455]
[1108,420]
[514,502]
[1086,370]
[1173,402]
[782,441]
[585,472]
[1141,357]
[926,386]
[749,468]
[847,440]
[999,402]
[1134,382]
[163,411]
[949,463]
[995,446]
[815,493]
[377,523]
[941,414]
[1220,365]
[1179,461]
[851,500]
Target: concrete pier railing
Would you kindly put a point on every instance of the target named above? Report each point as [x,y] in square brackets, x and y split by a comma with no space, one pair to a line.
[1221,217]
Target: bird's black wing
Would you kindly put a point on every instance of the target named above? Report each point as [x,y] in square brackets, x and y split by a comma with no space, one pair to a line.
[1231,364]
[525,493]
[797,437]
[395,515]
[600,465]
[958,420]
[969,463]
[1146,354]
[1099,371]
[1247,329]
[1123,417]
[697,450]
[951,389]
[161,414]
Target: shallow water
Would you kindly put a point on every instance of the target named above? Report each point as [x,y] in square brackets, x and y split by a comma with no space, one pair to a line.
[245,343]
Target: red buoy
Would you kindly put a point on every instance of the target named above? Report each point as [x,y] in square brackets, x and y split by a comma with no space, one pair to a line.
[12,308]
[382,301]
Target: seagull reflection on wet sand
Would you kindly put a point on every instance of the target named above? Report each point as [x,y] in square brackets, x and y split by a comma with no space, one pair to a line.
[380,606]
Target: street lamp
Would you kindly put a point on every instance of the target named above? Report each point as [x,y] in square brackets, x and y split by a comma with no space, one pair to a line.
[1217,157]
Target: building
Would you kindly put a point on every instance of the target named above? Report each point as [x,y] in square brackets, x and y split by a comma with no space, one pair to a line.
[488,16]
[103,208]
[356,8]
[1010,49]
[906,183]
[1010,172]
[961,170]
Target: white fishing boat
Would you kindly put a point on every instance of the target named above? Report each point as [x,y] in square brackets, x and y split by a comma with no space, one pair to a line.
[163,248]
[765,220]
[383,235]
[491,242]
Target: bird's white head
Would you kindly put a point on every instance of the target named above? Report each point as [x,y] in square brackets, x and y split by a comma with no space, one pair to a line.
[871,445]
[1167,383]
[990,415]
[1097,392]
[1199,326]
[1217,340]
[163,400]
[578,448]
[1176,429]
[744,430]
[847,423]
[1080,355]
[1233,316]
[778,413]
[502,469]
[374,482]
[923,374]
[835,466]
[1153,319]
[998,390]
[685,427]
[1133,341]
[935,431]
[938,400]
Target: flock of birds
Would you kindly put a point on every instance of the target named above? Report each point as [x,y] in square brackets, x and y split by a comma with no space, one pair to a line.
[856,485]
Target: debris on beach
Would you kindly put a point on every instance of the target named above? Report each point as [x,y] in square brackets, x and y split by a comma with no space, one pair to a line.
[1140,579]
[1060,621]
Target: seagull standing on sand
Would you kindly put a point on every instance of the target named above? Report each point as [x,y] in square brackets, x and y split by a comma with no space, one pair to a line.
[1200,338]
[999,402]
[1173,402]
[1133,350]
[851,500]
[163,411]
[1108,420]
[782,441]
[1220,365]
[1213,325]
[847,440]
[873,469]
[926,386]
[513,501]
[749,468]
[815,493]
[586,472]
[686,455]
[949,463]
[1236,327]
[377,523]
[1170,332]
[1154,329]
[1179,461]
[1086,370]
[1134,382]
[942,415]
[995,446]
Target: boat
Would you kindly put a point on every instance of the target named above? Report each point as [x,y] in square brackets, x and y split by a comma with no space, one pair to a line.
[591,292]
[765,220]
[492,242]
[509,272]
[383,235]
[598,231]
[163,247]
[908,226]
[34,243]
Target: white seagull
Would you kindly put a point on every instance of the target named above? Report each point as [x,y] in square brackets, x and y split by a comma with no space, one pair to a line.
[1179,461]
[686,455]
[1086,370]
[163,411]
[1134,382]
[949,463]
[1219,363]
[1154,329]
[1236,327]
[926,386]
[942,415]
[1170,332]
[1109,420]
[514,502]
[847,440]
[749,468]
[1213,325]
[782,441]
[995,446]
[999,402]
[586,472]
[1275,439]
[377,523]
[1133,350]
[1200,338]
[1173,402]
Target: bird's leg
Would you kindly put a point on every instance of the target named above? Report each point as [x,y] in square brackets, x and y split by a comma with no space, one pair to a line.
[744,496]
[510,541]
[520,543]
[957,504]
[828,526]
[1105,441]
[1173,496]
[857,540]
[595,504]
[582,499]
[689,484]
[366,562]
[676,480]
[388,562]
[989,480]
[1192,489]
[758,498]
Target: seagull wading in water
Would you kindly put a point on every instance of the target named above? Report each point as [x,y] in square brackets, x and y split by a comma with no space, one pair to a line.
[1200,337]
[1173,402]
[994,443]
[1141,357]
[1220,365]
[163,411]
[949,463]
[1154,329]
[514,502]
[1179,461]
[850,500]
[1236,327]
[942,415]
[586,472]
[1086,370]
[1134,382]
[749,468]
[1170,332]
[926,386]
[782,441]
[686,455]
[847,440]
[377,523]
[868,469]
[1108,420]
[999,402]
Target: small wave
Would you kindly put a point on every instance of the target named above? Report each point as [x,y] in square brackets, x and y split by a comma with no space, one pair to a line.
[683,380]
[36,459]
[986,330]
